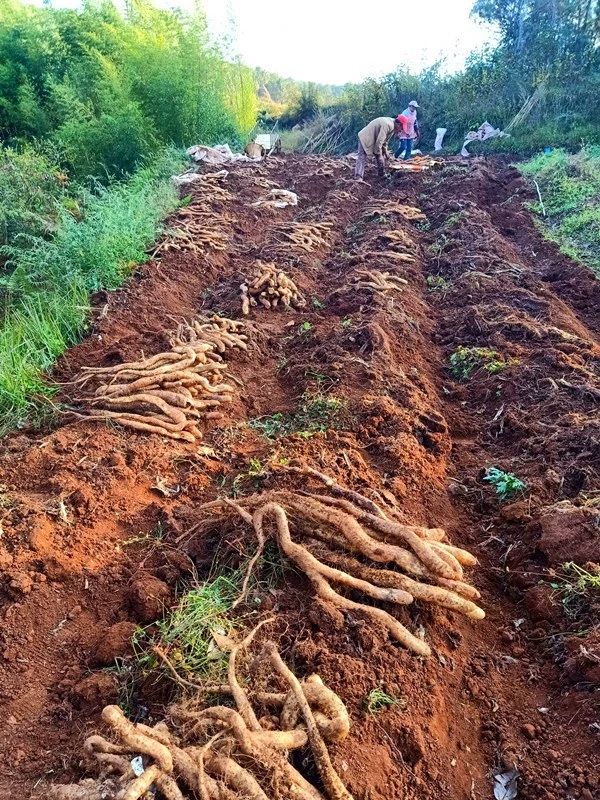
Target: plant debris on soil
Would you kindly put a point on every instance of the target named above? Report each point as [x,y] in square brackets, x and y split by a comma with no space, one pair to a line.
[337,468]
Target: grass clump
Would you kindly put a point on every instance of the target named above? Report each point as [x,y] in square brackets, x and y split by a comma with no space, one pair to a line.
[317,412]
[467,360]
[506,484]
[569,185]
[185,635]
[45,283]
[377,700]
[577,587]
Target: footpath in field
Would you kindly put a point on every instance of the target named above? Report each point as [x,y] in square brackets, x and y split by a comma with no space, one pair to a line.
[422,334]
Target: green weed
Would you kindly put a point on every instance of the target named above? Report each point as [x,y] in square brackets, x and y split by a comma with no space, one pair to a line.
[49,282]
[304,328]
[466,360]
[316,413]
[437,283]
[506,484]
[377,700]
[577,588]
[346,322]
[318,304]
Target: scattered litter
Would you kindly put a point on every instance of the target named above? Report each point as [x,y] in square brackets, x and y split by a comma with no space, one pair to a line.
[220,154]
[484,132]
[160,485]
[191,178]
[137,766]
[439,138]
[505,785]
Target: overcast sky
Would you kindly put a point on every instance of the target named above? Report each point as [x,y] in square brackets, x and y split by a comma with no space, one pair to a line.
[338,41]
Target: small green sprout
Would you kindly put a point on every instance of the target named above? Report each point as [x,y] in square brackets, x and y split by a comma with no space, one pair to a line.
[505,483]
[377,700]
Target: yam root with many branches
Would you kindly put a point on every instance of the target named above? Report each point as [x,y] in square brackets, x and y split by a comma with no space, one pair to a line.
[303,236]
[269,287]
[216,752]
[420,563]
[378,282]
[383,207]
[169,393]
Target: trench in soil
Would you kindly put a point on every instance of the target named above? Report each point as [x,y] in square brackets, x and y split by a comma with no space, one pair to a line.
[407,427]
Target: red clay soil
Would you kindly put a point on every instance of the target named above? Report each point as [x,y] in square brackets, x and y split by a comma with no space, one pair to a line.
[81,562]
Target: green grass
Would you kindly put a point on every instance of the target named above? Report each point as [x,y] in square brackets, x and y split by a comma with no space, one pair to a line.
[377,700]
[186,633]
[506,484]
[467,360]
[316,413]
[46,284]
[570,189]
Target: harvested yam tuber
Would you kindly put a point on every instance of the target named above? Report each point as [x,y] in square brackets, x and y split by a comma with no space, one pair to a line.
[269,287]
[383,207]
[302,236]
[430,570]
[221,752]
[278,198]
[169,393]
[379,282]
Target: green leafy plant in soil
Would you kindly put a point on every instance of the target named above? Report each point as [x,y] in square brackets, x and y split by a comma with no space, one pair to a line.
[506,484]
[185,634]
[437,283]
[466,360]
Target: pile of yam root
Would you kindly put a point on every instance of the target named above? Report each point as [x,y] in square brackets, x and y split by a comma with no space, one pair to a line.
[378,282]
[218,752]
[169,393]
[345,539]
[302,236]
[268,287]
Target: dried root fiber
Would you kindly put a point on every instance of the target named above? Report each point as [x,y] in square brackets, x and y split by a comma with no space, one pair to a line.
[420,563]
[169,393]
[216,752]
[269,287]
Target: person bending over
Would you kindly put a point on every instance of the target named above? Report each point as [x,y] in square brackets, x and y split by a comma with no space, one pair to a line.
[372,141]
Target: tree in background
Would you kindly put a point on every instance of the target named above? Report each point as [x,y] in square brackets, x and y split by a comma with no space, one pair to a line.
[109,88]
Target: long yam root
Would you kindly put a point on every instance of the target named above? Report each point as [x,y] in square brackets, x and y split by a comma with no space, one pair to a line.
[223,753]
[170,392]
[427,568]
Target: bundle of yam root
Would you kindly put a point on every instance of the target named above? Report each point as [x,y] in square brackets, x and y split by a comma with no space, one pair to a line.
[269,287]
[303,236]
[196,234]
[378,282]
[345,539]
[218,752]
[385,207]
[168,393]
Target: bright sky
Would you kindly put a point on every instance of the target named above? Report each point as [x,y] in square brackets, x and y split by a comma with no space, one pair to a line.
[340,41]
